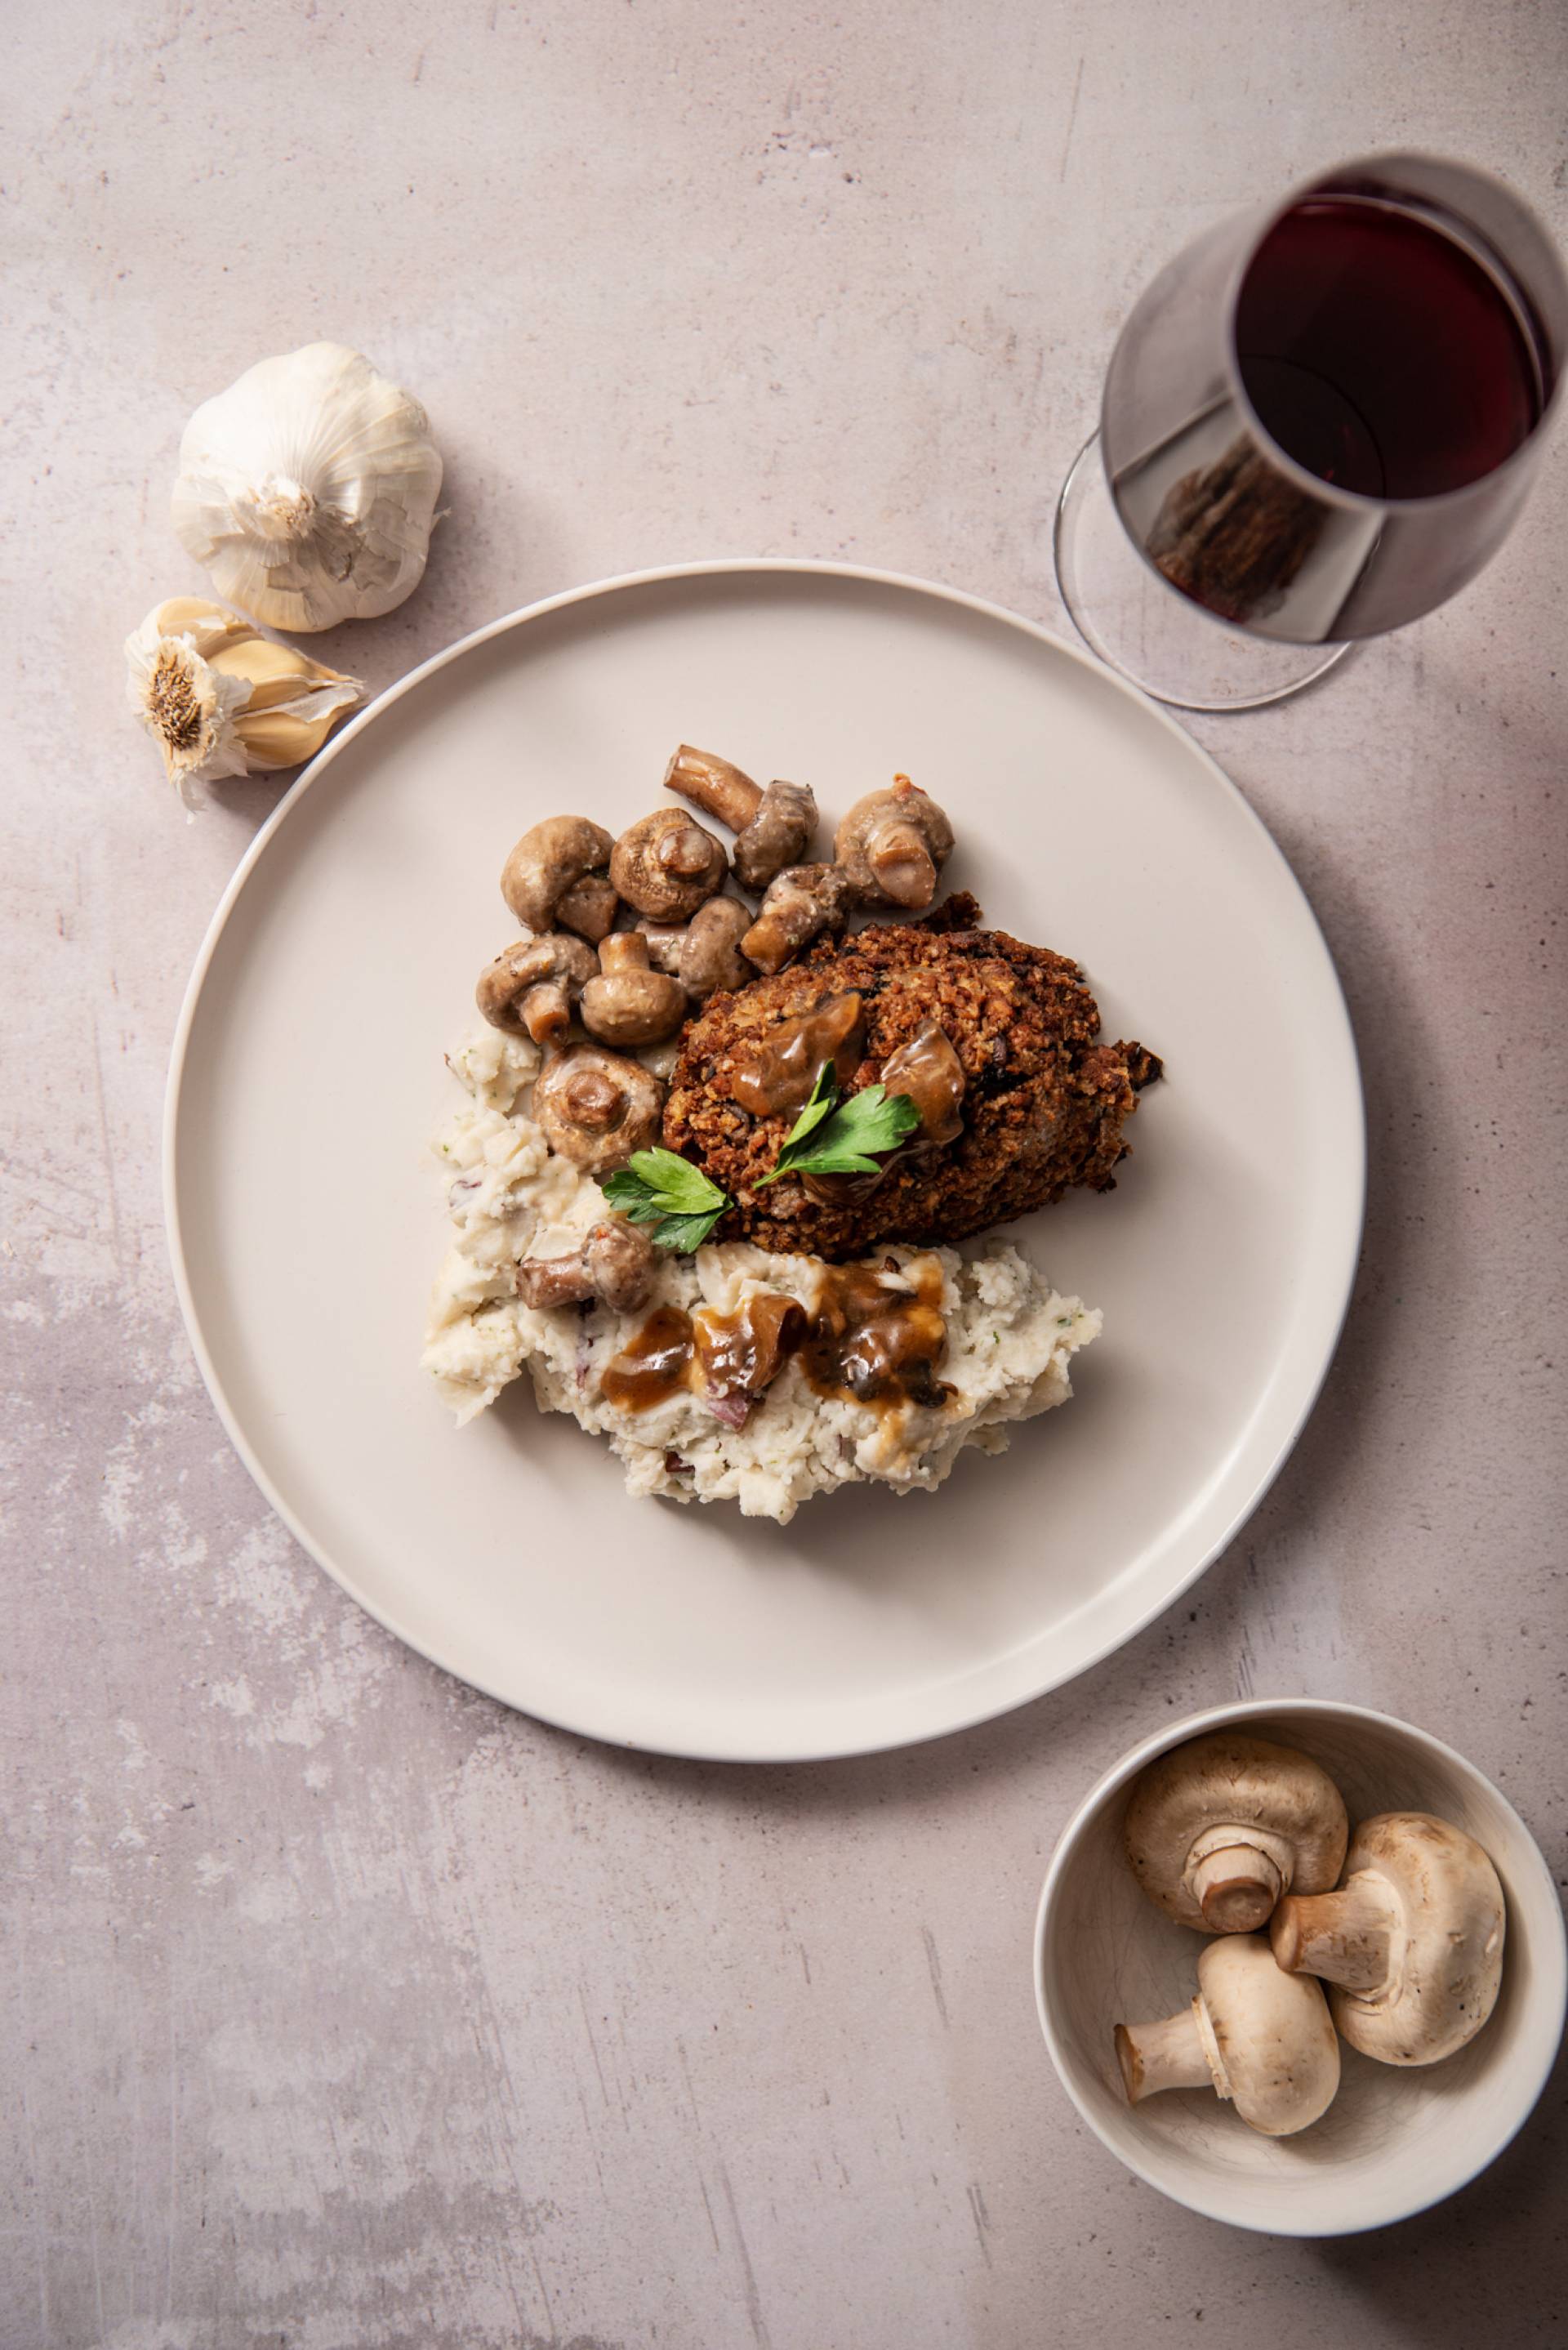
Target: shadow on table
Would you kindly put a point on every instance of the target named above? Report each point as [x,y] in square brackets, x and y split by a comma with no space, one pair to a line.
[1488,2269]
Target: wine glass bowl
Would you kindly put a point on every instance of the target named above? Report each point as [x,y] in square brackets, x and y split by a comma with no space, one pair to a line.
[1320,422]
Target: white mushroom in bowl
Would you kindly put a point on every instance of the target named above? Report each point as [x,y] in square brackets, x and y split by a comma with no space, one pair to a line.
[1249,2034]
[1411,1943]
[1219,1828]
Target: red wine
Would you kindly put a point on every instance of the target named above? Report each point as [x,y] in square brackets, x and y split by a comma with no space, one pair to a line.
[1383,354]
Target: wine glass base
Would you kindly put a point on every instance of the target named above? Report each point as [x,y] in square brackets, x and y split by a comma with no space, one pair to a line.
[1147,630]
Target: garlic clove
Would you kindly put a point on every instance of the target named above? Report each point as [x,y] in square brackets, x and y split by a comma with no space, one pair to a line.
[273,671]
[220,699]
[308,489]
[286,737]
[206,624]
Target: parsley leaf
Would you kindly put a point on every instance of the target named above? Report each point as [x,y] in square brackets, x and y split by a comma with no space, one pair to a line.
[835,1137]
[675,1199]
[824,1100]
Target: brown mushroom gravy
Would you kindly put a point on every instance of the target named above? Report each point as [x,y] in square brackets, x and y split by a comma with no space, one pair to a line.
[928,1072]
[872,1343]
[743,1352]
[653,1364]
[875,1335]
[777,1071]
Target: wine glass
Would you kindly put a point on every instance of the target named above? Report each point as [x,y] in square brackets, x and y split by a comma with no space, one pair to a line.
[1320,420]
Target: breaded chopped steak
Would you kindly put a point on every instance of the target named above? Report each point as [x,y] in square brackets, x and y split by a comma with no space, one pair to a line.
[1043,1104]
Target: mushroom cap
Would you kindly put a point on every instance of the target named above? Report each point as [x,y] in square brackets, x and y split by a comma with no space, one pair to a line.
[622,1262]
[629,1003]
[1446,1954]
[1280,1801]
[666,864]
[545,862]
[556,959]
[596,1107]
[589,907]
[880,840]
[1269,2048]
[779,833]
[710,955]
[801,903]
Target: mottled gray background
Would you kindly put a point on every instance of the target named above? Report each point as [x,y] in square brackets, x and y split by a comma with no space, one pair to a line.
[343,2009]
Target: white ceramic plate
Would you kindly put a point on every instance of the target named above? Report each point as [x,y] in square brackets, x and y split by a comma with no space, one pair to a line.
[306,1224]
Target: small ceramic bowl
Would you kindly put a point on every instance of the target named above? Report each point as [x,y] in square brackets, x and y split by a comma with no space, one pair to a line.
[1396,2140]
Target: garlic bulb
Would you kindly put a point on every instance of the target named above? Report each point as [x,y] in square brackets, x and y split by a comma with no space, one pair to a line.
[224,700]
[308,490]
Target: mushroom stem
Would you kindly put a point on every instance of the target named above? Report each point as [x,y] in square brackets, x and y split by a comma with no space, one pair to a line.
[903,865]
[1346,1938]
[714,785]
[802,903]
[1169,2054]
[1236,1887]
[626,951]
[546,1011]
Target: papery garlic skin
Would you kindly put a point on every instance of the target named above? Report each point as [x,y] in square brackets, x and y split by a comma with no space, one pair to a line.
[220,699]
[308,490]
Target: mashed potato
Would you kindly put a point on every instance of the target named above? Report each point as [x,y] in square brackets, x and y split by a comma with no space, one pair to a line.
[1010,1336]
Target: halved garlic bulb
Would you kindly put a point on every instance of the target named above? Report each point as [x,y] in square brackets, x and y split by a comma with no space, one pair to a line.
[223,700]
[308,490]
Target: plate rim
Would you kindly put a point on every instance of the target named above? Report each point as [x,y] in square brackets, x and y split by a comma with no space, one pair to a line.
[808,1749]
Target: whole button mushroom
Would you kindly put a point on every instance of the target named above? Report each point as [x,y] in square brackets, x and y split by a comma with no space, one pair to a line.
[615,1265]
[665,864]
[1411,1942]
[555,876]
[893,844]
[1218,1829]
[772,827]
[532,988]
[596,1108]
[710,956]
[1249,2036]
[803,902]
[704,954]
[629,1003]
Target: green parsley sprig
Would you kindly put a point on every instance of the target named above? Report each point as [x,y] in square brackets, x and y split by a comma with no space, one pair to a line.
[665,1192]
[839,1134]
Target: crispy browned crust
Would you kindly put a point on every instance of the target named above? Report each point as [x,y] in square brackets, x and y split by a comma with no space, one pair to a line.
[1043,1109]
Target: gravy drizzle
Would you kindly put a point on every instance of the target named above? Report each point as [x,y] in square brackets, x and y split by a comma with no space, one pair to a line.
[865,1342]
[873,1344]
[653,1364]
[776,1071]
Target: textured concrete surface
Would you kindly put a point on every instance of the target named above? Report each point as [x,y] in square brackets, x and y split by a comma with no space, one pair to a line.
[342,2008]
